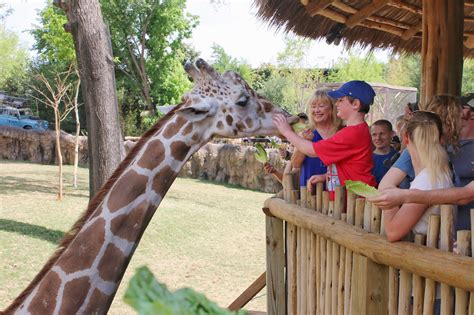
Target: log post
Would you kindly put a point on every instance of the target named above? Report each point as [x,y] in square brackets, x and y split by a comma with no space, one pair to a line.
[276,299]
[442,48]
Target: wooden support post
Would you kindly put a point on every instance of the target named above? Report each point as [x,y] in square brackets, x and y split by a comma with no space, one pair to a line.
[340,281]
[328,302]
[291,231]
[462,296]
[418,282]
[322,286]
[430,285]
[249,293]
[319,197]
[276,299]
[376,217]
[446,244]
[359,212]
[367,215]
[442,48]
[471,296]
[369,286]
[405,293]
[339,202]
[351,204]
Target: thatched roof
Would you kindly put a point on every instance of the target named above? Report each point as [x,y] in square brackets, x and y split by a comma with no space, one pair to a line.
[387,24]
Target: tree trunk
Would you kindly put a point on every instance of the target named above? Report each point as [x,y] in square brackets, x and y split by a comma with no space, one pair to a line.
[57,127]
[78,129]
[96,67]
[442,48]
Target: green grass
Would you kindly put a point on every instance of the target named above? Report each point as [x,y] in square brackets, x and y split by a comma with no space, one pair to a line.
[206,236]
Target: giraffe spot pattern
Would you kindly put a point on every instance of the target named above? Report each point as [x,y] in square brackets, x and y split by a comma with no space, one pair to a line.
[220,125]
[174,127]
[44,301]
[188,129]
[83,246]
[179,150]
[96,303]
[229,120]
[153,155]
[129,186]
[163,180]
[240,126]
[75,292]
[111,265]
[267,106]
[196,137]
[129,226]
[249,122]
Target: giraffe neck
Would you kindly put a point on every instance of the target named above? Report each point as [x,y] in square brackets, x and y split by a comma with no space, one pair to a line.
[87,273]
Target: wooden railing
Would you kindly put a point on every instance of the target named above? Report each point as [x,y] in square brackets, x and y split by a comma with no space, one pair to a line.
[324,257]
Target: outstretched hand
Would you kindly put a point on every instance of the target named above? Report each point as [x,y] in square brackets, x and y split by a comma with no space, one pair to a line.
[389,198]
[280,122]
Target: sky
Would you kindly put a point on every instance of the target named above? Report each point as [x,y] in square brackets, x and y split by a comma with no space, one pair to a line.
[232,25]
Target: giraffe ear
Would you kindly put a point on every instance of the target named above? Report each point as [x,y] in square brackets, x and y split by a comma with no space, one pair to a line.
[197,112]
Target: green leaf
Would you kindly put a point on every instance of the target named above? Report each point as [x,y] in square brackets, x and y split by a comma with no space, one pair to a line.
[261,154]
[147,296]
[298,127]
[362,189]
[274,144]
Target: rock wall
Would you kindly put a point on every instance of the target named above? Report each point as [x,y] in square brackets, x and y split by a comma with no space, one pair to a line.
[225,163]
[233,164]
[39,146]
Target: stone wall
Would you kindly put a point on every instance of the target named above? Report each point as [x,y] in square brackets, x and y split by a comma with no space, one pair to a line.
[39,146]
[225,163]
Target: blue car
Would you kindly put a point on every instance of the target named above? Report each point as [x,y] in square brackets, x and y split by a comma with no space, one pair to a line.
[11,116]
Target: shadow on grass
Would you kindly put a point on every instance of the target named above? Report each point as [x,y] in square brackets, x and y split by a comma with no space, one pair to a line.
[10,184]
[36,231]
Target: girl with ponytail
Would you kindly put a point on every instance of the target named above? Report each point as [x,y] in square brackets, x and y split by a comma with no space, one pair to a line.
[422,138]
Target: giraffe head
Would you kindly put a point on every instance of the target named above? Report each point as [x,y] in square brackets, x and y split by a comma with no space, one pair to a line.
[224,105]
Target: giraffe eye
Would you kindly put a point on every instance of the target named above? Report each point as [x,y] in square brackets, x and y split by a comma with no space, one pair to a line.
[242,101]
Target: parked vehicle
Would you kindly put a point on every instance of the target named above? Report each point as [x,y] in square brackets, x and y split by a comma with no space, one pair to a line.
[23,118]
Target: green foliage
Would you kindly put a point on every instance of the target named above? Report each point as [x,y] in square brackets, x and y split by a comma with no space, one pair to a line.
[468,76]
[356,67]
[14,60]
[404,70]
[221,61]
[147,39]
[53,44]
[147,296]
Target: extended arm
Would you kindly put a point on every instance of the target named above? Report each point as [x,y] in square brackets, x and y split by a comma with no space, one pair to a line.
[392,178]
[394,197]
[302,145]
[399,221]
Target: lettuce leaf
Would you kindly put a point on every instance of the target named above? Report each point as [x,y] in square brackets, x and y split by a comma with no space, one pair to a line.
[298,127]
[261,154]
[149,297]
[362,189]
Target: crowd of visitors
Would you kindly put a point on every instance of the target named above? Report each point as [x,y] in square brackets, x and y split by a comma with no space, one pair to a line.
[425,161]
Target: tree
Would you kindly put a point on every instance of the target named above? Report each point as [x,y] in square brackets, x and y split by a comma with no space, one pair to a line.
[14,60]
[222,61]
[355,67]
[56,90]
[468,76]
[95,61]
[56,53]
[148,42]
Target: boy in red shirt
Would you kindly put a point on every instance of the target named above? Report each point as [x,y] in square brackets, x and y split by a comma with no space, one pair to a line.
[348,154]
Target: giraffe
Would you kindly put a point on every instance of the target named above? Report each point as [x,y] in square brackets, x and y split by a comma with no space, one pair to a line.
[85,272]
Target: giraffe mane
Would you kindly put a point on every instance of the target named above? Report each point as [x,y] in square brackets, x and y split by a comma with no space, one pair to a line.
[92,206]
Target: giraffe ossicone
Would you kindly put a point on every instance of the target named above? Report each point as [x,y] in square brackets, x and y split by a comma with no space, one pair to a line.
[85,272]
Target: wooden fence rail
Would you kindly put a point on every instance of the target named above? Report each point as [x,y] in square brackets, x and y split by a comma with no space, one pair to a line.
[331,257]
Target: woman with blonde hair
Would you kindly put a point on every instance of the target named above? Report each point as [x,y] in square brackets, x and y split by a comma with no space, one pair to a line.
[322,116]
[449,109]
[423,140]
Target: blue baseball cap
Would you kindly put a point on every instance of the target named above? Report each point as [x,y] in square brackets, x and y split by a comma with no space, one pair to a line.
[360,90]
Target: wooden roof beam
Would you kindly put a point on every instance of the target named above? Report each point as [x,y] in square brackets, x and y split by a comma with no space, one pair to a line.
[315,7]
[365,12]
[409,33]
[378,19]
[469,42]
[406,6]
